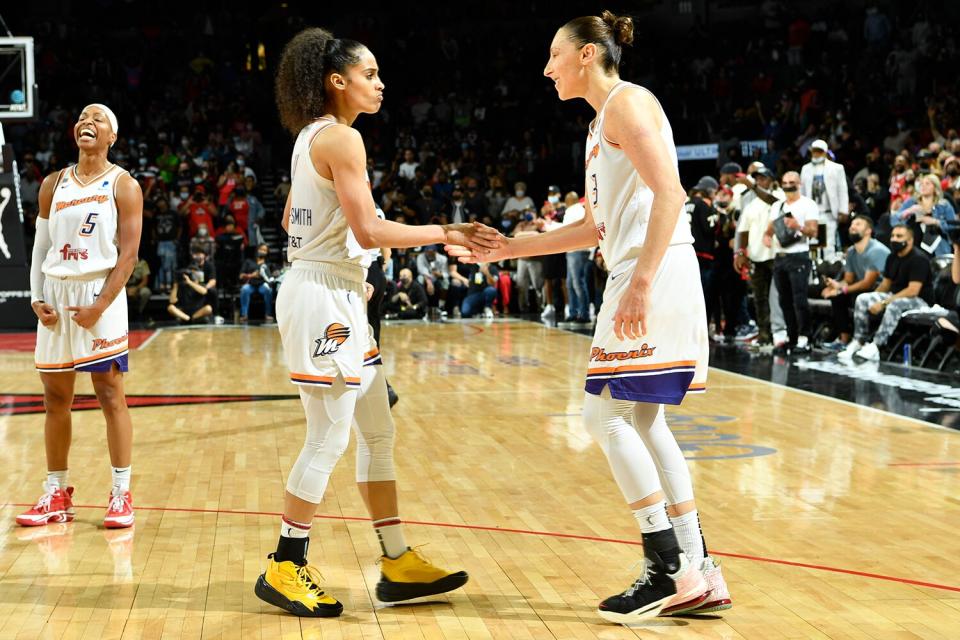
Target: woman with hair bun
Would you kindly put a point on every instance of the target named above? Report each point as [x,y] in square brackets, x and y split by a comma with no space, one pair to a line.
[650,346]
[323,83]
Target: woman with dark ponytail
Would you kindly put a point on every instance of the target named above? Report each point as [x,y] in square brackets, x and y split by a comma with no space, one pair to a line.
[323,83]
[650,345]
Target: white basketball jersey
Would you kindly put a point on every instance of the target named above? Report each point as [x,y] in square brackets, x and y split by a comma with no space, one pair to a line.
[619,199]
[317,228]
[83,224]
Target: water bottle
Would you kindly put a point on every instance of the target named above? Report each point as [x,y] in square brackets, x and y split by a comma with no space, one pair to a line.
[906,355]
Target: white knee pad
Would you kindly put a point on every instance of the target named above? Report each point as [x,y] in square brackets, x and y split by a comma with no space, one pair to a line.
[609,421]
[650,422]
[329,414]
[374,427]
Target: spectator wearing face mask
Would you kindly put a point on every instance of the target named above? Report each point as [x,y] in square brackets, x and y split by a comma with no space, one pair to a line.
[794,222]
[257,276]
[825,182]
[433,273]
[496,197]
[199,211]
[244,169]
[907,285]
[519,201]
[425,206]
[459,211]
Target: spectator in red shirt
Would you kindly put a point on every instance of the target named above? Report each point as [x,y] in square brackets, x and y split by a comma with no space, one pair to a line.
[239,207]
[198,210]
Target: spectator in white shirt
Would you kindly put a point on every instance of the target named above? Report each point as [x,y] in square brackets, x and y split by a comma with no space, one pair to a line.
[408,168]
[825,182]
[519,201]
[794,222]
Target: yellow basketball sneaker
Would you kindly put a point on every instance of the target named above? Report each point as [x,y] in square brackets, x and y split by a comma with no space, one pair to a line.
[412,576]
[296,588]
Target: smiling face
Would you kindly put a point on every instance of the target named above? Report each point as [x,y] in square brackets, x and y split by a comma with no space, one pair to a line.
[360,86]
[567,65]
[93,131]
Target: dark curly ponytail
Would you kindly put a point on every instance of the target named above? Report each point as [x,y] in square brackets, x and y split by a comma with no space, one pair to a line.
[304,65]
[608,31]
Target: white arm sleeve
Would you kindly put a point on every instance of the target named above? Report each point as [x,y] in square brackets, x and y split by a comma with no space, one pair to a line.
[41,245]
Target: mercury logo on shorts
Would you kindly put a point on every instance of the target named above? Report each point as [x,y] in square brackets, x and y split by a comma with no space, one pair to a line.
[333,336]
[70,253]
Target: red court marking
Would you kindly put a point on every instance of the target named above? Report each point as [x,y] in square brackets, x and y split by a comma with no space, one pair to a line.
[550,534]
[924,464]
[27,341]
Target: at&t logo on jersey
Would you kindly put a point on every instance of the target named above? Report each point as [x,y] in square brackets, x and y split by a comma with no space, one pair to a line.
[333,336]
[70,253]
[601,230]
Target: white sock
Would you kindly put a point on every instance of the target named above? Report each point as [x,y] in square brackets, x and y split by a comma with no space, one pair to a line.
[653,518]
[57,480]
[121,479]
[687,528]
[294,529]
[390,533]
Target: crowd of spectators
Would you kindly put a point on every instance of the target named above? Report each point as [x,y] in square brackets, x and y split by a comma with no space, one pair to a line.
[870,136]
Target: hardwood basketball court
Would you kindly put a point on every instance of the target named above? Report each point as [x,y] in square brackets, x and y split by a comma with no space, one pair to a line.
[831,520]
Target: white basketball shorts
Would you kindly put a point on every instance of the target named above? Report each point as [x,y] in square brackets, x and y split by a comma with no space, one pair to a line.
[322,315]
[66,346]
[671,359]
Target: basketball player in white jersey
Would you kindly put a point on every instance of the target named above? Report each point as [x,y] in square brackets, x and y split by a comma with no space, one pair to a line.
[88,233]
[323,84]
[650,346]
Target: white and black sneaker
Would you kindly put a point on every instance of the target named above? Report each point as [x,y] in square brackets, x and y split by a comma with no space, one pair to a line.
[652,591]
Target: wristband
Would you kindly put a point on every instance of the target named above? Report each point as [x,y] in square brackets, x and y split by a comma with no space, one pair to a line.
[844,289]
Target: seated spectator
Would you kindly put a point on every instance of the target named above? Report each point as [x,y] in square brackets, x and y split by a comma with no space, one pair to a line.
[138,293]
[256,275]
[907,285]
[482,290]
[433,274]
[519,201]
[865,262]
[193,291]
[410,300]
[204,242]
[927,214]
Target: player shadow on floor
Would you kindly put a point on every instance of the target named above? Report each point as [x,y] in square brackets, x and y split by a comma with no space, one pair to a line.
[243,429]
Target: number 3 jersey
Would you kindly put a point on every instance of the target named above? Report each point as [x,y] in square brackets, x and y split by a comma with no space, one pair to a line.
[83,224]
[619,198]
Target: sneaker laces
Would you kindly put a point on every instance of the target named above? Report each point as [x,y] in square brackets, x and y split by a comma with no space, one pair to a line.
[642,580]
[116,502]
[43,504]
[310,577]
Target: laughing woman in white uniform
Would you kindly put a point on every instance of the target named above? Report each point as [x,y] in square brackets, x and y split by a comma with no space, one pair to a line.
[650,345]
[86,246]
